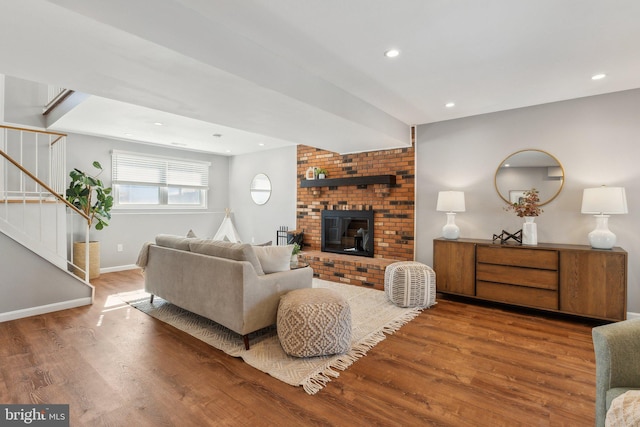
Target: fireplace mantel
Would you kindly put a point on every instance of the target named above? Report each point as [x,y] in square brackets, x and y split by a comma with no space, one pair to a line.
[356,180]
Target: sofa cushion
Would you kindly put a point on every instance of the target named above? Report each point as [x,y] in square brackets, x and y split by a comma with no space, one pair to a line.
[274,258]
[227,250]
[173,242]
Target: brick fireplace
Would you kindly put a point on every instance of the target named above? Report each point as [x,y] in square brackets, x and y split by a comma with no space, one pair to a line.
[392,205]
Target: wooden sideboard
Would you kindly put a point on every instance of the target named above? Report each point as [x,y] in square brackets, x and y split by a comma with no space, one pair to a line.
[570,279]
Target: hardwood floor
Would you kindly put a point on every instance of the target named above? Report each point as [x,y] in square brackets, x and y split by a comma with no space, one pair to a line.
[455,365]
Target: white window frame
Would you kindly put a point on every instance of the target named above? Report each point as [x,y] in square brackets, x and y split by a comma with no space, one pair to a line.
[164,179]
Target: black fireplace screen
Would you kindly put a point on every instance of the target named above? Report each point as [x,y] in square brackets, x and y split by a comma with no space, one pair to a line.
[347,232]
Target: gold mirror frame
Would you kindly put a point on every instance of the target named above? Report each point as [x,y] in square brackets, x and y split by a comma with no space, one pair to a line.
[513,192]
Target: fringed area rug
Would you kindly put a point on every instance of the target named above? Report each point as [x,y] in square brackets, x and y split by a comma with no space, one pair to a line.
[372,316]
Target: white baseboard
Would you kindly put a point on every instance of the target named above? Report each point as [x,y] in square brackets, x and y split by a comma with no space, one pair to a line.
[49,308]
[118,268]
[631,315]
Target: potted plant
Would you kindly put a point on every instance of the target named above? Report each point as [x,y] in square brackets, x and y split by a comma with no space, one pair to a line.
[89,194]
[294,253]
[322,173]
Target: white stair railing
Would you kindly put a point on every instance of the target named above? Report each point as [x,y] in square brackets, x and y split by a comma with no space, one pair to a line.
[33,210]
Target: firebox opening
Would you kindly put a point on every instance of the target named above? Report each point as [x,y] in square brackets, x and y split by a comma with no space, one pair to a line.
[347,232]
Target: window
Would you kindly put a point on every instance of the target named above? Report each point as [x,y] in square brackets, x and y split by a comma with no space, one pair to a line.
[145,181]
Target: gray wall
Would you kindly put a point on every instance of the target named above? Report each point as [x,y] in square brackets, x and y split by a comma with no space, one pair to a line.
[2,78]
[24,101]
[22,283]
[131,228]
[259,223]
[595,139]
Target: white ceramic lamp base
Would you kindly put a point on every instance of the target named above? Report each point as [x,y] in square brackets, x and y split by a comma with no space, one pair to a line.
[450,230]
[602,237]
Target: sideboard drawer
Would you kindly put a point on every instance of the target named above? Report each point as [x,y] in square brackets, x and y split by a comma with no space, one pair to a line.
[521,257]
[528,277]
[510,294]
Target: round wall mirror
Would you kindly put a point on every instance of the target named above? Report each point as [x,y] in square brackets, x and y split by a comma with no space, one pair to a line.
[528,169]
[260,189]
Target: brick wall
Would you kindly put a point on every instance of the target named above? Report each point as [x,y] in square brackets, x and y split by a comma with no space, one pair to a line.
[393,208]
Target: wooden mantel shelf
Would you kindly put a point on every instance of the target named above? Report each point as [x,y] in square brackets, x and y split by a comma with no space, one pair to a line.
[356,180]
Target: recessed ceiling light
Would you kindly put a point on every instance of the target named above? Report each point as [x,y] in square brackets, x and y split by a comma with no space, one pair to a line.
[261,144]
[450,104]
[227,151]
[158,124]
[392,53]
[598,76]
[128,134]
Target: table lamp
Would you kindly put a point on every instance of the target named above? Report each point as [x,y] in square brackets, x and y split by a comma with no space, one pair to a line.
[602,202]
[450,202]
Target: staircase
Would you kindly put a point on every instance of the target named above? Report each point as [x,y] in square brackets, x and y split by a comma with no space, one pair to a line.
[38,227]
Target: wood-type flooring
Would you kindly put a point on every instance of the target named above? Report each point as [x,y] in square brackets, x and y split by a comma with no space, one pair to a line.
[457,364]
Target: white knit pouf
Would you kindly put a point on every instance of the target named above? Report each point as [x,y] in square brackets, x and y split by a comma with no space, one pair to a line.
[314,322]
[410,284]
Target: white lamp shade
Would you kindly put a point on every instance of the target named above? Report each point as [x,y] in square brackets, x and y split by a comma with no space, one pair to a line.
[604,200]
[450,201]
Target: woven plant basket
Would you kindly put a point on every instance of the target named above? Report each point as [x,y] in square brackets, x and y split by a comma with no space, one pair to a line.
[94,259]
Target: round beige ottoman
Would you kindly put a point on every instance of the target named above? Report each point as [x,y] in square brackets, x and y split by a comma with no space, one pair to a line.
[314,322]
[410,284]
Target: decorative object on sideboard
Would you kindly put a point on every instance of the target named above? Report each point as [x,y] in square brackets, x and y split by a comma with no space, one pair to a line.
[311,173]
[527,206]
[505,236]
[450,202]
[602,202]
[529,231]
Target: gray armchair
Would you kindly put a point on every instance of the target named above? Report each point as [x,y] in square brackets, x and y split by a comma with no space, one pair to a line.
[617,348]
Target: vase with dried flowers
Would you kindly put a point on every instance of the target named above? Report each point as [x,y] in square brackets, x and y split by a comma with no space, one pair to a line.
[528,207]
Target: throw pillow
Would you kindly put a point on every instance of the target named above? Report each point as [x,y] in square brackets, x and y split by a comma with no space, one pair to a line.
[174,242]
[274,258]
[228,250]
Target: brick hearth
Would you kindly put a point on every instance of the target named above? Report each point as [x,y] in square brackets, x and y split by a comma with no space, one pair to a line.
[354,270]
[393,207]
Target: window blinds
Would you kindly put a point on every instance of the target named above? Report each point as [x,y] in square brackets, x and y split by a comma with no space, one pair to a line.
[131,168]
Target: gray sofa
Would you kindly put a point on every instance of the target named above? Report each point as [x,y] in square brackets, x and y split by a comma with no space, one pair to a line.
[221,281]
[617,349]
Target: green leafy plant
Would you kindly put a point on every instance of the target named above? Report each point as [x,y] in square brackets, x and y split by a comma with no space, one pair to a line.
[88,193]
[296,249]
[321,171]
[529,205]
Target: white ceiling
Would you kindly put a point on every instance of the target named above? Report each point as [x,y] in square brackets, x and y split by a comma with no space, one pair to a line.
[279,72]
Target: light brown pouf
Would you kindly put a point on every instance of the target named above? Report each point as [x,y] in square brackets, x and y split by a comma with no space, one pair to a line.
[314,322]
[410,284]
